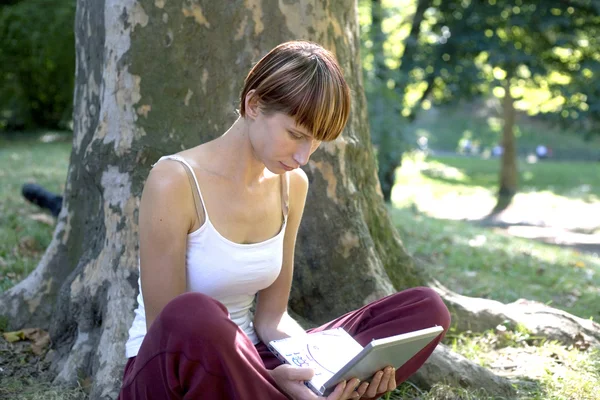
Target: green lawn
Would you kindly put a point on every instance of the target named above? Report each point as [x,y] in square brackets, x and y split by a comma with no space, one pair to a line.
[433,202]
[468,258]
[446,126]
[475,261]
[478,261]
[579,180]
[43,159]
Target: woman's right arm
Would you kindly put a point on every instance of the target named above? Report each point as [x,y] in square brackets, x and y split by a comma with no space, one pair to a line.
[167,214]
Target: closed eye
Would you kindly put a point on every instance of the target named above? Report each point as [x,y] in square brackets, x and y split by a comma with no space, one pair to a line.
[295,135]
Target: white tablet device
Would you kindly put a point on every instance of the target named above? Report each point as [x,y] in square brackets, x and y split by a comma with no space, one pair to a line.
[336,356]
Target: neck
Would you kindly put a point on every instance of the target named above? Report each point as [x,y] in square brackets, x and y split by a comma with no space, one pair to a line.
[235,156]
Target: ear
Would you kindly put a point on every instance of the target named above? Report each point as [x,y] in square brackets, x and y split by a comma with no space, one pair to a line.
[252,104]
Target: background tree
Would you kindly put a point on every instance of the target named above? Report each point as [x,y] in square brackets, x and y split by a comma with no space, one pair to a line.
[152,78]
[546,54]
[385,89]
[515,46]
[37,48]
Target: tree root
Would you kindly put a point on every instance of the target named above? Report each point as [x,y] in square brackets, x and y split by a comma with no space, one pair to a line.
[445,366]
[478,315]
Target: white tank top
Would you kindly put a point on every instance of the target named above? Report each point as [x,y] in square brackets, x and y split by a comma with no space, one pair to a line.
[230,272]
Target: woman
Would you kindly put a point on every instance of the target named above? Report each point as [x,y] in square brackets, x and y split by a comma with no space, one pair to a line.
[218,225]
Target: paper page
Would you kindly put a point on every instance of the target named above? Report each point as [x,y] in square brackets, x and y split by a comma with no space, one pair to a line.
[326,352]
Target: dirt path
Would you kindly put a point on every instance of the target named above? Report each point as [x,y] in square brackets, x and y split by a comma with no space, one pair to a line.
[561,227]
[568,223]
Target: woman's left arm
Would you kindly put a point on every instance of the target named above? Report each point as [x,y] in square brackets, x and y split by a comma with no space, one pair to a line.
[271,320]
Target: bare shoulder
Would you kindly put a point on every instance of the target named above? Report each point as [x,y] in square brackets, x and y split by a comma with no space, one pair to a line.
[167,176]
[168,189]
[298,190]
[298,182]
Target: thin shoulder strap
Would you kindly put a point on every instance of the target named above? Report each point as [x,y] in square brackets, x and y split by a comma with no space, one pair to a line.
[285,194]
[198,199]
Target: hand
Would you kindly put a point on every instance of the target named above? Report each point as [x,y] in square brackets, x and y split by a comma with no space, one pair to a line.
[383,381]
[291,380]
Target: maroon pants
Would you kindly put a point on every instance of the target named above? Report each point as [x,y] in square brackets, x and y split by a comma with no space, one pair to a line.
[194,351]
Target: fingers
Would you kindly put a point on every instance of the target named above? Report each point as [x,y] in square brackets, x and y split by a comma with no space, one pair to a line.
[294,373]
[338,391]
[392,383]
[345,390]
[388,372]
[381,382]
[372,389]
[362,388]
[350,391]
[299,374]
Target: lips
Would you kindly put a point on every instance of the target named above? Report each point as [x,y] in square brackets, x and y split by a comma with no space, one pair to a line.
[287,168]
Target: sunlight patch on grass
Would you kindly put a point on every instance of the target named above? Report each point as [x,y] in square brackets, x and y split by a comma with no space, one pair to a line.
[465,188]
[555,371]
[476,261]
[442,198]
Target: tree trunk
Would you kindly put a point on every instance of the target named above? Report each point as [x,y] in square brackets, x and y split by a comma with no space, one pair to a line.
[154,77]
[386,104]
[382,108]
[508,169]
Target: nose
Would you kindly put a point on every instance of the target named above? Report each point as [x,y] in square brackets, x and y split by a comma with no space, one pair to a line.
[303,153]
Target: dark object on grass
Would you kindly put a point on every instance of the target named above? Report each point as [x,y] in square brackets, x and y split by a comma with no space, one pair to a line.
[42,197]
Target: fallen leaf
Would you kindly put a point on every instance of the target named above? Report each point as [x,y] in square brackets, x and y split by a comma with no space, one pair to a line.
[86,383]
[32,333]
[43,218]
[27,243]
[580,342]
[40,338]
[15,336]
[38,347]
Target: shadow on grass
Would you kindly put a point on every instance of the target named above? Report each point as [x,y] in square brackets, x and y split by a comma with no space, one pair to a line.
[526,388]
[582,240]
[477,261]
[576,180]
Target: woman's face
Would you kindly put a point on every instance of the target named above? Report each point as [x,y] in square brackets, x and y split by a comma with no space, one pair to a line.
[279,143]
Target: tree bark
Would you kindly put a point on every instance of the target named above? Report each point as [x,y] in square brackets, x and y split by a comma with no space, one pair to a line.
[382,108]
[479,315]
[508,169]
[154,77]
[386,107]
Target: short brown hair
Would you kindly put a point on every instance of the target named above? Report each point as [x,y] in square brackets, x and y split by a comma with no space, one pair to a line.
[304,81]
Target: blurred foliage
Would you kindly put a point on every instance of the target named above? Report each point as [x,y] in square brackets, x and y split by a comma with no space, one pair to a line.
[37,72]
[383,102]
[549,51]
[440,51]
[419,53]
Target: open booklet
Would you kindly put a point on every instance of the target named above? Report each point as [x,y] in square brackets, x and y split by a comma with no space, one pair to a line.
[335,356]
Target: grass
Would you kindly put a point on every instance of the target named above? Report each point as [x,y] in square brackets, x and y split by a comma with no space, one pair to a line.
[435,197]
[42,158]
[445,127]
[468,258]
[34,389]
[543,369]
[476,261]
[574,180]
